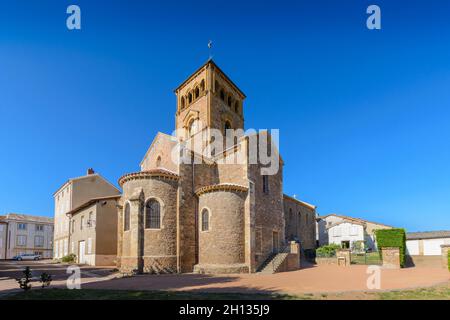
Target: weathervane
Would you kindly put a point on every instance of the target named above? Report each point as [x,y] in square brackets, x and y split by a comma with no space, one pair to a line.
[210,48]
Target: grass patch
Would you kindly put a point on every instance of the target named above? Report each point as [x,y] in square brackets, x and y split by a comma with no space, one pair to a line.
[434,293]
[97,294]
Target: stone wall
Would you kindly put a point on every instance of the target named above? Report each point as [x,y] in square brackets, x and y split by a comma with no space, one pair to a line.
[391,258]
[343,257]
[150,250]
[300,222]
[222,246]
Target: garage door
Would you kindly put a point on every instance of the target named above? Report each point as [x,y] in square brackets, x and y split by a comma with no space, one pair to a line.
[432,247]
[412,247]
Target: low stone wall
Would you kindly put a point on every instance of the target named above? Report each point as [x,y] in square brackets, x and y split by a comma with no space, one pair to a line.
[292,261]
[445,250]
[391,257]
[326,261]
[221,268]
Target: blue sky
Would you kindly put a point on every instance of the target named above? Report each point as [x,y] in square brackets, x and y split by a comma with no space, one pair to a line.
[364,116]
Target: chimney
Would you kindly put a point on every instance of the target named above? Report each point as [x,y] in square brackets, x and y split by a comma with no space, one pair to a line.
[90,171]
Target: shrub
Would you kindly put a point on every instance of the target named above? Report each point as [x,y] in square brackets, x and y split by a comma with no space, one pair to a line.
[448,261]
[69,258]
[327,251]
[392,238]
[45,279]
[24,283]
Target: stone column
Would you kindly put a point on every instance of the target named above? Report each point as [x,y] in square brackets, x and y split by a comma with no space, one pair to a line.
[391,257]
[134,261]
[343,257]
[445,250]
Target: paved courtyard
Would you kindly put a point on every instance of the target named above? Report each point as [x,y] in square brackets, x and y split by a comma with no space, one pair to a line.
[313,279]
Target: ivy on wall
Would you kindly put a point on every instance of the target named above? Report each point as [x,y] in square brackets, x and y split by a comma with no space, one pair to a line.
[392,238]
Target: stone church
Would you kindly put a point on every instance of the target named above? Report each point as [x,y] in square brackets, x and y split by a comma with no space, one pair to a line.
[188,211]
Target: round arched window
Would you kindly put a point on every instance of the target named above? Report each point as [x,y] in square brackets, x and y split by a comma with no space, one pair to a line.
[205,220]
[193,127]
[152,215]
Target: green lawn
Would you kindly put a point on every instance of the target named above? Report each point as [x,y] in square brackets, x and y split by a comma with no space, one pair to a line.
[95,294]
[434,293]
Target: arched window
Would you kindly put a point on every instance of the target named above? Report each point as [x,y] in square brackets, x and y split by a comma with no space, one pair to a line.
[227,127]
[205,220]
[193,127]
[222,95]
[230,101]
[152,215]
[126,218]
[202,85]
[183,102]
[196,93]
[158,162]
[236,107]
[190,97]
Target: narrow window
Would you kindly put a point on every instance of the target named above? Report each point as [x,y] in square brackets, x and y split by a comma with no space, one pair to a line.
[227,127]
[266,184]
[152,215]
[126,223]
[183,102]
[205,220]
[190,97]
[158,162]
[222,95]
[202,85]
[236,107]
[196,93]
[81,223]
[230,101]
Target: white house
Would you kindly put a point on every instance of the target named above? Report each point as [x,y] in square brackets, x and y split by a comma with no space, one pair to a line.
[21,234]
[344,230]
[345,233]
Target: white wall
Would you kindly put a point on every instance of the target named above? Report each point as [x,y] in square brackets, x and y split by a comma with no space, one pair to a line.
[346,232]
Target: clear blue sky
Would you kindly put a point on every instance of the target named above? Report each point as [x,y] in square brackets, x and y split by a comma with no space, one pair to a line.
[364,116]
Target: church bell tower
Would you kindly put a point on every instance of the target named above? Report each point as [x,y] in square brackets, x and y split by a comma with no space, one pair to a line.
[208,99]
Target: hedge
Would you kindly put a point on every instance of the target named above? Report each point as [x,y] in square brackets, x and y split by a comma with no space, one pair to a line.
[392,238]
[448,261]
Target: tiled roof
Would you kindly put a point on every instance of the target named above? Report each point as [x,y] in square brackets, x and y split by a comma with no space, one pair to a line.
[91,202]
[28,218]
[427,235]
[352,219]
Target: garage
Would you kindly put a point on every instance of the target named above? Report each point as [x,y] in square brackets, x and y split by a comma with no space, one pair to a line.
[412,247]
[432,247]
[426,243]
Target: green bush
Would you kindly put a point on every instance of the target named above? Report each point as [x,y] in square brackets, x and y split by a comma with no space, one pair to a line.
[448,261]
[327,251]
[69,258]
[392,238]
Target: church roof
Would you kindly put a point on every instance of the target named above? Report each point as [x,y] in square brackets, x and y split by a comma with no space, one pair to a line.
[212,63]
